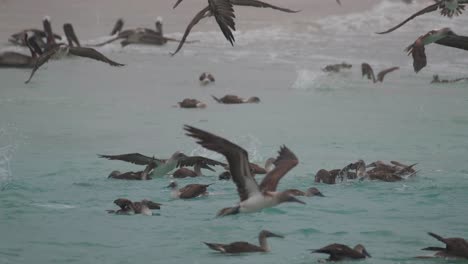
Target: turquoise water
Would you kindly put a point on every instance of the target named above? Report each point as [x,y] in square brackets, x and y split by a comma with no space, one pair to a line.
[54,188]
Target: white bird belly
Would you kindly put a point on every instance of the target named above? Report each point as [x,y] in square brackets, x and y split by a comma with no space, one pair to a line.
[256,203]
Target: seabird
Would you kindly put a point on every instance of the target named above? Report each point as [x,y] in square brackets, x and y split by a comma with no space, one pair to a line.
[223,12]
[325,176]
[12,59]
[184,172]
[61,50]
[444,36]
[455,247]
[253,197]
[244,247]
[226,175]
[234,99]
[165,166]
[447,8]
[139,175]
[309,193]
[339,252]
[128,207]
[206,78]
[337,67]
[369,73]
[436,79]
[189,191]
[383,172]
[118,26]
[191,103]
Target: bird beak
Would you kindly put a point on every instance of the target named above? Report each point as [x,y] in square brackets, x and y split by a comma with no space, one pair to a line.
[275,235]
[366,253]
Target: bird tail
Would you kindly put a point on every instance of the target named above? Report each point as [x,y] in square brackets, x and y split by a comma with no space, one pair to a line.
[441,239]
[216,99]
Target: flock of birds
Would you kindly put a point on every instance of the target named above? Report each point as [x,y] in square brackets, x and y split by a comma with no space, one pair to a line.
[45,45]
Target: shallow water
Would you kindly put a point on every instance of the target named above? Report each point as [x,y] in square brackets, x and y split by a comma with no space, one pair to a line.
[54,190]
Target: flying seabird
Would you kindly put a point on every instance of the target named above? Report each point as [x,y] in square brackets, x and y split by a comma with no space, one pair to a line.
[139,175]
[223,12]
[61,50]
[253,197]
[369,73]
[444,36]
[339,252]
[234,99]
[244,247]
[436,79]
[164,166]
[309,193]
[455,247]
[447,8]
[337,67]
[206,78]
[189,191]
[191,103]
[11,59]
[128,207]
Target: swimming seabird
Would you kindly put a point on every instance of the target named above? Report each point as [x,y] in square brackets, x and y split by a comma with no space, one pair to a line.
[11,59]
[188,191]
[369,73]
[325,176]
[444,36]
[139,175]
[196,172]
[312,191]
[395,167]
[244,247]
[61,50]
[337,67]
[164,166]
[253,197]
[206,78]
[128,207]
[339,252]
[455,247]
[447,8]
[234,99]
[191,103]
[436,79]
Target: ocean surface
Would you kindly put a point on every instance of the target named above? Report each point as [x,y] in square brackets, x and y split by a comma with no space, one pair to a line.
[54,189]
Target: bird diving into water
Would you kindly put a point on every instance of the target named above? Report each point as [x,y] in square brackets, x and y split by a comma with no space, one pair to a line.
[444,37]
[253,197]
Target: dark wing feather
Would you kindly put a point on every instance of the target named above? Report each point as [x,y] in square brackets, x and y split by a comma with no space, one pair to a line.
[92,54]
[381,74]
[202,161]
[423,11]
[135,158]
[193,190]
[123,203]
[459,42]
[285,162]
[256,3]
[45,57]
[177,3]
[236,156]
[199,16]
[339,251]
[418,52]
[223,12]
[367,71]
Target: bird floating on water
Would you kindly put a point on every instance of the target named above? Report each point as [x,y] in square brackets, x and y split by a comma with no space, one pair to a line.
[245,247]
[339,252]
[128,207]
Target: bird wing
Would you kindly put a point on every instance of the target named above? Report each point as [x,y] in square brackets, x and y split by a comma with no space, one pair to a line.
[202,161]
[381,74]
[339,251]
[92,54]
[193,190]
[285,162]
[199,16]
[454,41]
[177,3]
[223,12]
[236,156]
[418,53]
[118,26]
[122,202]
[256,3]
[45,57]
[367,71]
[135,158]
[423,11]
